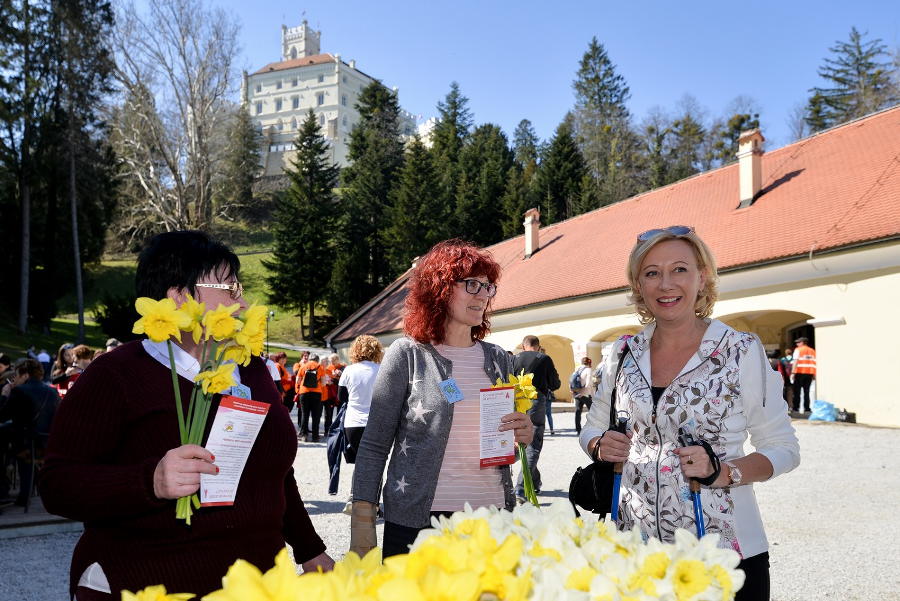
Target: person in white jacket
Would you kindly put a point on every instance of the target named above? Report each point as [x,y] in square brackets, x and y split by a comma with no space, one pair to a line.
[686,372]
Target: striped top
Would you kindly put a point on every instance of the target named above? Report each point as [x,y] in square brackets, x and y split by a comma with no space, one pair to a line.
[461,479]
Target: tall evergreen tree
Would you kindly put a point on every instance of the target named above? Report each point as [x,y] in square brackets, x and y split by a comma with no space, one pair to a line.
[687,138]
[525,143]
[484,163]
[241,166]
[447,139]
[518,197]
[603,125]
[417,216]
[361,267]
[302,228]
[656,131]
[559,179]
[858,75]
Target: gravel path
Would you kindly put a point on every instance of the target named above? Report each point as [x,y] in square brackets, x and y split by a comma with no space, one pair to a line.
[832,536]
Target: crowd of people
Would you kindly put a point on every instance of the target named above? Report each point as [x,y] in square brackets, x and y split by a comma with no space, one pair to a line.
[690,388]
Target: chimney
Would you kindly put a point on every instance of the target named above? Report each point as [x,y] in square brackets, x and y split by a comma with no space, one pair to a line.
[750,165]
[532,225]
[352,63]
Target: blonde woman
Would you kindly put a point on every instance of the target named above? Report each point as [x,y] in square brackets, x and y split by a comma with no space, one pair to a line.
[687,372]
[356,384]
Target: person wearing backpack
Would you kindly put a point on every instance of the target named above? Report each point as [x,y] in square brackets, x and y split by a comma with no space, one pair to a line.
[309,389]
[582,388]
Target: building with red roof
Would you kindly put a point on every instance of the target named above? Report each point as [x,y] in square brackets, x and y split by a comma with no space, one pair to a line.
[807,241]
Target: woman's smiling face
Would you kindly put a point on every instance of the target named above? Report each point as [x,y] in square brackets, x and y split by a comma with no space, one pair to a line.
[670,280]
[465,308]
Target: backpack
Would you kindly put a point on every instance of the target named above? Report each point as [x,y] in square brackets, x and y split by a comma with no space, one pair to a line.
[311,378]
[575,380]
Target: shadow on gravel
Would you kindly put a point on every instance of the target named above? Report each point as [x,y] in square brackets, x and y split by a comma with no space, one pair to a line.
[320,507]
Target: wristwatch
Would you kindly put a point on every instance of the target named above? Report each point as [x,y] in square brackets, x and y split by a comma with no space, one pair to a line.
[734,474]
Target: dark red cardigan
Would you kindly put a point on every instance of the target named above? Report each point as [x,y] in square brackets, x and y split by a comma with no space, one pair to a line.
[108,435]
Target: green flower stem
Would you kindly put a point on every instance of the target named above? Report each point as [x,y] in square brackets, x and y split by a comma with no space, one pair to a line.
[182,429]
[527,482]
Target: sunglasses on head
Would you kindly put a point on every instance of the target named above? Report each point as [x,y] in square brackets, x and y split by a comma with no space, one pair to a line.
[234,288]
[675,230]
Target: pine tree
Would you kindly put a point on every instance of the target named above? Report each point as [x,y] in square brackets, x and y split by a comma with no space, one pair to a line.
[417,216]
[299,269]
[484,162]
[559,179]
[525,143]
[447,139]
[687,137]
[361,268]
[725,136]
[241,166]
[859,77]
[603,126]
[517,198]
[656,130]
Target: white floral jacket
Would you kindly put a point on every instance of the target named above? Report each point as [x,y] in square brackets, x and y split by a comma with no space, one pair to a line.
[725,391]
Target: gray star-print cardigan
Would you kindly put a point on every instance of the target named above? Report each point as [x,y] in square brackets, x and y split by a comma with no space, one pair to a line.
[410,418]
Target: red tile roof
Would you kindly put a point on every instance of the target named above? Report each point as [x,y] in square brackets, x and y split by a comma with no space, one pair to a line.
[835,189]
[315,59]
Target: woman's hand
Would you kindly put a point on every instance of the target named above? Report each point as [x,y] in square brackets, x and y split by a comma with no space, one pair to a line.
[614,446]
[321,560]
[521,424]
[695,462]
[178,473]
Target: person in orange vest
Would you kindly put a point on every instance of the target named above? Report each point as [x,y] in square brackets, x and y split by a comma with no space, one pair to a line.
[803,371]
[333,372]
[285,380]
[310,389]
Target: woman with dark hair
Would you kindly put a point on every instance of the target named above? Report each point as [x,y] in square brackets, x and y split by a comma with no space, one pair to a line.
[416,413]
[63,364]
[115,461]
[694,389]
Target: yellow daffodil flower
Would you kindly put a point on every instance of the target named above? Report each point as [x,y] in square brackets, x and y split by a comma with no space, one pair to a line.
[525,392]
[160,319]
[252,335]
[690,577]
[221,322]
[155,593]
[237,353]
[195,311]
[217,380]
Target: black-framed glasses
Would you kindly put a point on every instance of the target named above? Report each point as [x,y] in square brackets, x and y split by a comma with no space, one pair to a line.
[473,287]
[675,230]
[235,289]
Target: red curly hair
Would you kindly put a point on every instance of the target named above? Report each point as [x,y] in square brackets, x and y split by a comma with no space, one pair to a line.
[431,287]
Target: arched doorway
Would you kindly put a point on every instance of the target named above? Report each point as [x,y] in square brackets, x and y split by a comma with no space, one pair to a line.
[777,329]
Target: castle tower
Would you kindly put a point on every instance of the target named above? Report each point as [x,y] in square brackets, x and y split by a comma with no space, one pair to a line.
[297,42]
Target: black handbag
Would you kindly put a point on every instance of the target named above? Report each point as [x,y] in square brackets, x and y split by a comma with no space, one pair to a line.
[591,486]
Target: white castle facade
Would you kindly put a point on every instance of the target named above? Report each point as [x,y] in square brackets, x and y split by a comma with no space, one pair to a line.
[280,95]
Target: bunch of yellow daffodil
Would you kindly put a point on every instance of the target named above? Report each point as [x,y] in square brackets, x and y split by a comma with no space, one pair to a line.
[487,554]
[226,339]
[525,393]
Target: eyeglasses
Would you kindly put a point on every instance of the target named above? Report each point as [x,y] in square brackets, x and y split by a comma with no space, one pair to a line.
[473,287]
[675,230]
[234,288]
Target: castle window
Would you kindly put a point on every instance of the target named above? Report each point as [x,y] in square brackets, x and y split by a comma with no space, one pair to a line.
[258,108]
[321,119]
[278,104]
[295,102]
[344,100]
[278,85]
[294,83]
[258,88]
[320,98]
[293,53]
[321,77]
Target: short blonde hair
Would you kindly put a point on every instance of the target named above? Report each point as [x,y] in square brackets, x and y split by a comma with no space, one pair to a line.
[706,298]
[366,348]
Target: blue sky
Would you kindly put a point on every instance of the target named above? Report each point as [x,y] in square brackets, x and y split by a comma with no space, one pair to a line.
[516,60]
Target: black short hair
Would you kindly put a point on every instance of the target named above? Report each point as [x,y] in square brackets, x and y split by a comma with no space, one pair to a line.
[178,260]
[5,360]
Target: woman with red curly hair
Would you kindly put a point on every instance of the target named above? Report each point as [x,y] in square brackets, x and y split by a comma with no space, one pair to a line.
[425,407]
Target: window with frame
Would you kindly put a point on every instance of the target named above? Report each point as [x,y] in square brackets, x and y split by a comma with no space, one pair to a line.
[321,119]
[344,100]
[294,83]
[295,102]
[258,88]
[278,85]
[278,104]
[258,108]
[321,77]
[320,98]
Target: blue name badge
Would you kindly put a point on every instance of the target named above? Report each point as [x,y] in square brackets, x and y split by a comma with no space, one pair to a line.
[239,390]
[451,390]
